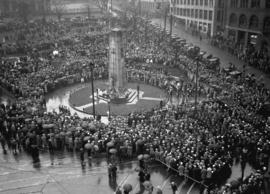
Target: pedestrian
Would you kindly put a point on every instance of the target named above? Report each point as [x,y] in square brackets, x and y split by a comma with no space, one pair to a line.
[118,190]
[142,164]
[3,143]
[243,163]
[34,148]
[51,151]
[141,176]
[159,190]
[14,146]
[82,156]
[114,172]
[110,171]
[147,176]
[174,187]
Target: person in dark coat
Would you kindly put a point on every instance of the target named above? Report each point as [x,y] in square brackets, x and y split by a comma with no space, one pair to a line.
[147,176]
[174,187]
[3,143]
[51,150]
[114,171]
[141,176]
[34,148]
[82,156]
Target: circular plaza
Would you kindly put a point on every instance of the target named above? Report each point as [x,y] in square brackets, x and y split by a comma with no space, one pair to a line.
[145,99]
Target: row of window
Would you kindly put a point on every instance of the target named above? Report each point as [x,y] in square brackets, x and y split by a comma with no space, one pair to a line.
[193,13]
[201,26]
[249,4]
[252,22]
[209,3]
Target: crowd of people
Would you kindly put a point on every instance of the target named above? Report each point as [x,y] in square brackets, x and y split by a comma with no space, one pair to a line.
[199,143]
[249,55]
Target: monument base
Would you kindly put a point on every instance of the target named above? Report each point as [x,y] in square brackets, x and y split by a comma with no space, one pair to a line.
[117,97]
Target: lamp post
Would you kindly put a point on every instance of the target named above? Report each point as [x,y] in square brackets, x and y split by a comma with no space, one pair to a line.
[109,109]
[198,59]
[92,85]
[196,83]
[165,17]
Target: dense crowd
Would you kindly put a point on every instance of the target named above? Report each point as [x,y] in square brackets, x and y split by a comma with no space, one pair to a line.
[200,145]
[249,55]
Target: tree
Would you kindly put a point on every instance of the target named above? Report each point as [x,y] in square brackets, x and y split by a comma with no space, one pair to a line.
[58,7]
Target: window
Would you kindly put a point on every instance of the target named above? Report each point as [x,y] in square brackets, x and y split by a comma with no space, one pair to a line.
[196,13]
[234,3]
[253,22]
[242,21]
[192,2]
[243,3]
[192,13]
[205,15]
[206,2]
[197,2]
[211,3]
[267,3]
[201,2]
[255,3]
[201,14]
[266,24]
[233,19]
[210,15]
[219,16]
[188,12]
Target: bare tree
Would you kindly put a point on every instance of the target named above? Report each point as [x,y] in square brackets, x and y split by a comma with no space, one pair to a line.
[58,7]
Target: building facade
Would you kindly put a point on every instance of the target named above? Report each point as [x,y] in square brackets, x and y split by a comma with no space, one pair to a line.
[248,23]
[154,6]
[198,16]
[10,8]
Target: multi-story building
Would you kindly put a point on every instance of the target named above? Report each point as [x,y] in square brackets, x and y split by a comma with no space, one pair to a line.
[221,13]
[196,15]
[153,6]
[248,22]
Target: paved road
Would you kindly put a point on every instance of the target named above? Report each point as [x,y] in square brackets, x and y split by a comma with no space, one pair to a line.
[225,57]
[19,175]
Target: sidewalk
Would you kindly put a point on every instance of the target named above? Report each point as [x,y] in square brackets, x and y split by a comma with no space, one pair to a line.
[225,57]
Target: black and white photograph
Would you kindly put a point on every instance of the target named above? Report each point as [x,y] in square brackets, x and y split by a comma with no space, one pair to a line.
[135,96]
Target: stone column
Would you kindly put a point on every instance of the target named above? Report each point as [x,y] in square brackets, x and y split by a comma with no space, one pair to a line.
[116,60]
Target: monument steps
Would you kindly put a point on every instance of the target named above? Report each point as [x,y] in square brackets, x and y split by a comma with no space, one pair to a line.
[132,96]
